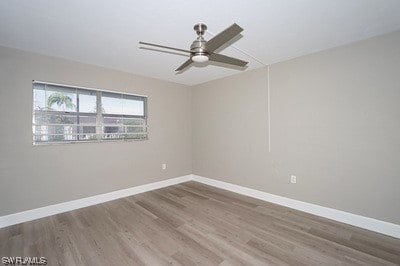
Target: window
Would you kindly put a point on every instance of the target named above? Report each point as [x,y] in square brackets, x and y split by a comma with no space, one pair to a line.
[71,114]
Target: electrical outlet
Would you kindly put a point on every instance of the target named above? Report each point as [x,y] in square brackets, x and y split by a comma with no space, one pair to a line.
[164,166]
[293,179]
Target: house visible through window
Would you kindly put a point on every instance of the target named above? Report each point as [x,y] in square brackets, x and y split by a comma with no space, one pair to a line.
[72,114]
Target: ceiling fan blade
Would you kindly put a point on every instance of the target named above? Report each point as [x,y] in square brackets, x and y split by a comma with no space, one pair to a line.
[227,60]
[224,36]
[166,47]
[184,65]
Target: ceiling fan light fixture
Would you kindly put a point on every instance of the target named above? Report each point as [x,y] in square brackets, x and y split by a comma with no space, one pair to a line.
[200,58]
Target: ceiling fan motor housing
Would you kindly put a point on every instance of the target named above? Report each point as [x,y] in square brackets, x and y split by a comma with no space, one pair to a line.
[199,46]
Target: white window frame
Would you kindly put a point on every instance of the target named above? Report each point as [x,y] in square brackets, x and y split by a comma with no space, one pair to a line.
[100,126]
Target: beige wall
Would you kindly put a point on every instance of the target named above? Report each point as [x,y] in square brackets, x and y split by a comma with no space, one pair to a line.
[32,176]
[335,123]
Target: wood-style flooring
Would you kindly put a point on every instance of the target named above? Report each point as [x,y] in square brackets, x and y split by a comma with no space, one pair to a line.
[192,223]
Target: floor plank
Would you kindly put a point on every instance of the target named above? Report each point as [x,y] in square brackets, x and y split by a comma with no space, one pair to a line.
[195,224]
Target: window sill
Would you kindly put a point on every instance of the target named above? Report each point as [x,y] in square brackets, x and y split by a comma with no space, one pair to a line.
[86,142]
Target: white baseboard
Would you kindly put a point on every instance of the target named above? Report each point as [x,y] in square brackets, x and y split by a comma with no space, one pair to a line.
[382,227]
[337,215]
[30,215]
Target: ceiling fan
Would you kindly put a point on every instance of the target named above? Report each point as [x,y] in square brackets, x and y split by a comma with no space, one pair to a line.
[203,51]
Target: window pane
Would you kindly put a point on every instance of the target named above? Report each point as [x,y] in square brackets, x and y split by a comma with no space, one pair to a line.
[87,128]
[114,103]
[60,118]
[134,121]
[112,127]
[132,105]
[135,125]
[40,117]
[136,136]
[111,103]
[87,120]
[126,128]
[53,126]
[135,128]
[61,132]
[87,101]
[112,121]
[39,97]
[60,98]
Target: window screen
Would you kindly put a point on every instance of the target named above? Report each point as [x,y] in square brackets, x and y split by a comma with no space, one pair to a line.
[71,114]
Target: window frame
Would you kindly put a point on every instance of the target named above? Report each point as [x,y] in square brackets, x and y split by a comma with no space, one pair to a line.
[99,115]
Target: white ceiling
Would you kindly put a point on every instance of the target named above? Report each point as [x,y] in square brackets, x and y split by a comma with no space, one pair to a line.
[106,33]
